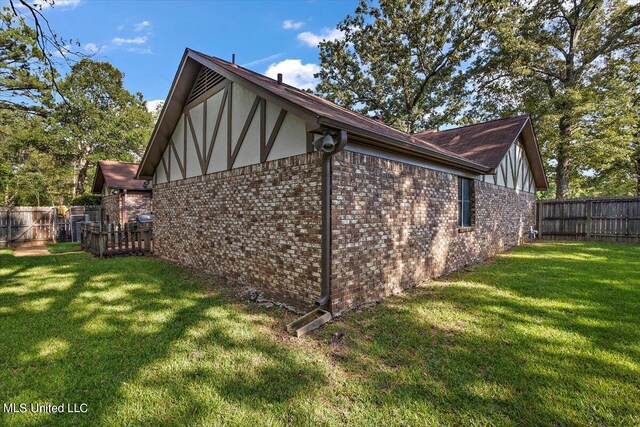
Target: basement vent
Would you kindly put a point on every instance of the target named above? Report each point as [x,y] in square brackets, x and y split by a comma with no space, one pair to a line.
[207,79]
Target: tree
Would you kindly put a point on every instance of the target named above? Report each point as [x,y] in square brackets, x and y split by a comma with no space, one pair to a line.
[101,119]
[403,61]
[30,173]
[24,76]
[612,131]
[552,50]
[48,42]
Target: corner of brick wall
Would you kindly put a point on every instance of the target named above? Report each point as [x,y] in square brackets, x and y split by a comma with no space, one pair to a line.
[394,226]
[111,208]
[258,226]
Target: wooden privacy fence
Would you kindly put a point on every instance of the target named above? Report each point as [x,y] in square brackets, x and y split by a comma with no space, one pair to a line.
[597,219]
[38,225]
[106,240]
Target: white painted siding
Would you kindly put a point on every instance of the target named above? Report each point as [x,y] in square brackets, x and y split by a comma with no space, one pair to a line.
[514,171]
[213,149]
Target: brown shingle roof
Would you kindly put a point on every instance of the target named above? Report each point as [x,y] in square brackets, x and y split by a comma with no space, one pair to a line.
[485,143]
[327,109]
[118,175]
[476,148]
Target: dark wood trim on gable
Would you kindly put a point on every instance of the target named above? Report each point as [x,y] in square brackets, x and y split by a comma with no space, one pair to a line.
[196,143]
[263,129]
[204,135]
[217,125]
[169,162]
[274,134]
[208,94]
[164,166]
[175,152]
[243,132]
[184,147]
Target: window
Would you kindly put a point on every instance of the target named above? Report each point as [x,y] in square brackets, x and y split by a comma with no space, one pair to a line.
[464,202]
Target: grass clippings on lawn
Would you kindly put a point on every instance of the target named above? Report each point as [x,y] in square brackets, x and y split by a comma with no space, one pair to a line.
[545,335]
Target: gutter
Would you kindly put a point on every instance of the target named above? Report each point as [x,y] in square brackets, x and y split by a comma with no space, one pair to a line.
[383,141]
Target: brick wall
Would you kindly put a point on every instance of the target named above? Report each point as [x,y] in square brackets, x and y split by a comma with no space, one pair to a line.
[394,226]
[137,203]
[111,208]
[258,226]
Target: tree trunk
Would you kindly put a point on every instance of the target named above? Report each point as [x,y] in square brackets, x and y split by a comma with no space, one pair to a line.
[82,178]
[562,168]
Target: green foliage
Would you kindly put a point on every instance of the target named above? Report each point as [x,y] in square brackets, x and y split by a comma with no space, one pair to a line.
[549,58]
[30,172]
[402,60]
[25,78]
[514,342]
[86,199]
[101,119]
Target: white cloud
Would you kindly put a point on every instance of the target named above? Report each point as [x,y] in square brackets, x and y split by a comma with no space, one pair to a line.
[91,48]
[265,59]
[154,104]
[63,51]
[141,26]
[288,24]
[295,73]
[312,39]
[135,40]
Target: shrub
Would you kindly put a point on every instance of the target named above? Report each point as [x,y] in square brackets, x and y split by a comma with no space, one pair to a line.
[86,200]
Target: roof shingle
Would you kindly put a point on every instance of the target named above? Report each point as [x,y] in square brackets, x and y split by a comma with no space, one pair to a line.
[118,175]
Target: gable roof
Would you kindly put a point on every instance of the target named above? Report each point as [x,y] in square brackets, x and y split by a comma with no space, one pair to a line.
[488,142]
[119,176]
[317,112]
[485,143]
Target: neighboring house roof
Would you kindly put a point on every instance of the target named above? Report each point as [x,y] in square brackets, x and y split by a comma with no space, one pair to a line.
[320,114]
[118,176]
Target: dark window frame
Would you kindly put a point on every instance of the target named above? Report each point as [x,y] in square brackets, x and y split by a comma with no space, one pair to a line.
[466,202]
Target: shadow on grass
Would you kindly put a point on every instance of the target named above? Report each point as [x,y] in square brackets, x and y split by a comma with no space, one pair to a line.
[545,335]
[138,340]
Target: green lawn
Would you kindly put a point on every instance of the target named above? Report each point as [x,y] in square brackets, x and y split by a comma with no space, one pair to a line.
[62,248]
[546,335]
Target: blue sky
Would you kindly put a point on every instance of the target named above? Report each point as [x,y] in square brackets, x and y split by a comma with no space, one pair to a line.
[145,38]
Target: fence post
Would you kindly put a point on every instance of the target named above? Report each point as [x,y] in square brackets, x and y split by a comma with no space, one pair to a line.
[9,225]
[588,225]
[539,219]
[100,241]
[54,224]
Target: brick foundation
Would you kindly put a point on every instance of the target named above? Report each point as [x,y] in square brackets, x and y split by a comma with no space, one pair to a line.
[394,226]
[258,226]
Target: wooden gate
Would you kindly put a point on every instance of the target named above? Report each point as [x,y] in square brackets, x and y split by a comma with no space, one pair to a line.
[30,225]
[20,225]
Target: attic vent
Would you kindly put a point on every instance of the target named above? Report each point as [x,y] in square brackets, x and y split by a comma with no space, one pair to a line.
[207,78]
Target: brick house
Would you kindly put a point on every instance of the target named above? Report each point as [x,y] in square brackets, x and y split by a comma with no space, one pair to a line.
[312,203]
[123,195]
